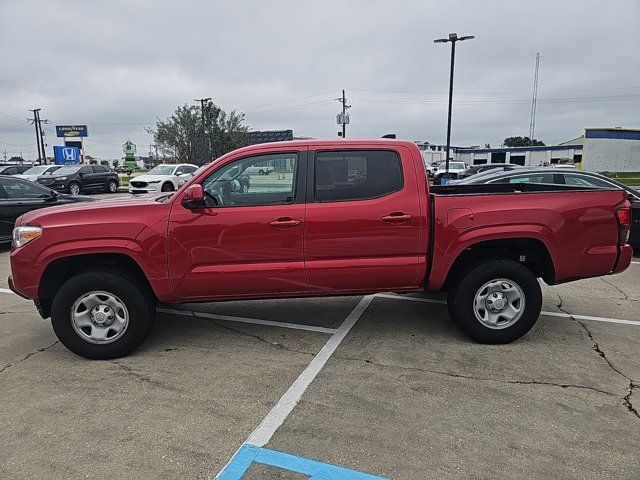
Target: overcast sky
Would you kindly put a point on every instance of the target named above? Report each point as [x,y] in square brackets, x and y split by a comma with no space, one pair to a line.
[118,65]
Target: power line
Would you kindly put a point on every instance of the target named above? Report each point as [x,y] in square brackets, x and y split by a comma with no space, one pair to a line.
[286,101]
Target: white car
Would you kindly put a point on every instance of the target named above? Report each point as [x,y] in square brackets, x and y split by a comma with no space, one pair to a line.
[454,169]
[33,173]
[162,178]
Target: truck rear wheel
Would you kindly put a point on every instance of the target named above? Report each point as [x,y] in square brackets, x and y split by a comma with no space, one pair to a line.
[495,302]
[102,314]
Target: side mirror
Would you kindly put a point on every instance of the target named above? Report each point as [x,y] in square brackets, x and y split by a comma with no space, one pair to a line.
[193,197]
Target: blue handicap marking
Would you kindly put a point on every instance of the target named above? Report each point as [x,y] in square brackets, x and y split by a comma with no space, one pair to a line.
[248,454]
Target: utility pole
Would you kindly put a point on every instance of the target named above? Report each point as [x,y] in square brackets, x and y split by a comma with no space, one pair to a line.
[534,99]
[453,38]
[343,119]
[36,122]
[205,142]
[44,150]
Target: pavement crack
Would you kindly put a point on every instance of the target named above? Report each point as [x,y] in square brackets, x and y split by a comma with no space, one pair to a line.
[473,377]
[626,400]
[6,367]
[141,377]
[624,295]
[259,338]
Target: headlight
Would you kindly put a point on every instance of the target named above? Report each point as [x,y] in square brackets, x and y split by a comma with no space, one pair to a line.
[154,181]
[24,234]
[62,178]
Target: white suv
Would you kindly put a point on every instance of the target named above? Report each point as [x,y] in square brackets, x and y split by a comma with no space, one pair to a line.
[162,178]
[454,168]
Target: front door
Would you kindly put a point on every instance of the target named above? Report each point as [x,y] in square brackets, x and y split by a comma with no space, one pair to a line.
[248,241]
[364,227]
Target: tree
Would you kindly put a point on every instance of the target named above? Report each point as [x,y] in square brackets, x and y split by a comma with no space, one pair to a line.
[116,163]
[16,159]
[184,138]
[522,142]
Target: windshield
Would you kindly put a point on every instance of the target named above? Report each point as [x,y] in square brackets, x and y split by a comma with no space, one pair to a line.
[67,170]
[36,170]
[162,170]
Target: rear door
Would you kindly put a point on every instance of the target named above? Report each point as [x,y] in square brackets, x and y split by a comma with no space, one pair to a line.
[363,222]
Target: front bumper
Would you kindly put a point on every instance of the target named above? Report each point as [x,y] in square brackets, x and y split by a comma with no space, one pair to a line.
[58,186]
[149,188]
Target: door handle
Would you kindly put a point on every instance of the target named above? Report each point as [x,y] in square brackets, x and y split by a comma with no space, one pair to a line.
[396,217]
[284,222]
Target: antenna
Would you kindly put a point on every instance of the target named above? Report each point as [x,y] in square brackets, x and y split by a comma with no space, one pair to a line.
[534,99]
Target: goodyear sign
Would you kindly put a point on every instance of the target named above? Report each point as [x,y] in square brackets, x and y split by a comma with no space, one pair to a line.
[71,130]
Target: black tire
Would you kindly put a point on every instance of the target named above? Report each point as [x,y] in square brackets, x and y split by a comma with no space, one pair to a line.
[138,301]
[167,187]
[462,294]
[112,186]
[72,186]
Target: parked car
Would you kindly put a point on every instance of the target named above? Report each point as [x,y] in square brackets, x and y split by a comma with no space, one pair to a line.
[431,168]
[478,169]
[34,172]
[19,196]
[123,169]
[162,178]
[76,179]
[13,169]
[260,169]
[574,177]
[99,272]
[454,169]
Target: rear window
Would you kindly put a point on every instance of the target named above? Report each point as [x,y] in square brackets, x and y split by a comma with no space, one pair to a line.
[356,175]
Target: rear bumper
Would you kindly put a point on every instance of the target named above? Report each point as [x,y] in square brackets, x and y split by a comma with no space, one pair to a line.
[624,259]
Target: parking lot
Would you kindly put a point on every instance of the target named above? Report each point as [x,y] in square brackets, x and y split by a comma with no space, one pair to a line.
[369,387]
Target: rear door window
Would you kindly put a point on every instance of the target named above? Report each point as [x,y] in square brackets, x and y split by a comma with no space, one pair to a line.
[356,175]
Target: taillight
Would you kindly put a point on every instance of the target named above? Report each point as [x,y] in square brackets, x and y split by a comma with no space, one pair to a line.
[623,216]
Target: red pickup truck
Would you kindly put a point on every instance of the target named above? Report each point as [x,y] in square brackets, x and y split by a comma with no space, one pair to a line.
[339,217]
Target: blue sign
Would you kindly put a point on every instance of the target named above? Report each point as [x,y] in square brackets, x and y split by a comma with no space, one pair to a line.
[66,155]
[71,131]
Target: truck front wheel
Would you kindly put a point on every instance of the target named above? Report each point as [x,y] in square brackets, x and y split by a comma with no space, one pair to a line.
[102,314]
[495,302]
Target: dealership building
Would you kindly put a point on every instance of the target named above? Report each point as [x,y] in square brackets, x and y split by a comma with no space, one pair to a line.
[598,150]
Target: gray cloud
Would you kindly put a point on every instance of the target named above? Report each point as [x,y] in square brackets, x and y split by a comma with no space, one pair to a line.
[118,65]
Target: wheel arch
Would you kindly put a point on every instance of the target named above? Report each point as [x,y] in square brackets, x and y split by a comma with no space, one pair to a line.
[61,269]
[530,252]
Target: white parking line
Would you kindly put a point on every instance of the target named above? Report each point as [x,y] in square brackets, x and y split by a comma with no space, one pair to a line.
[256,321]
[290,399]
[281,410]
[551,314]
[5,290]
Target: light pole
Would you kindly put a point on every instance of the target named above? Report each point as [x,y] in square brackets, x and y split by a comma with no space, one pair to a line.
[453,38]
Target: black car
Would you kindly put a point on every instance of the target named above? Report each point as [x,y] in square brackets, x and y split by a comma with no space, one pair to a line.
[485,167]
[567,176]
[14,169]
[82,178]
[19,196]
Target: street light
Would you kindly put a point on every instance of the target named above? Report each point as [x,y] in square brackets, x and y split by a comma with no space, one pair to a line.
[453,38]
